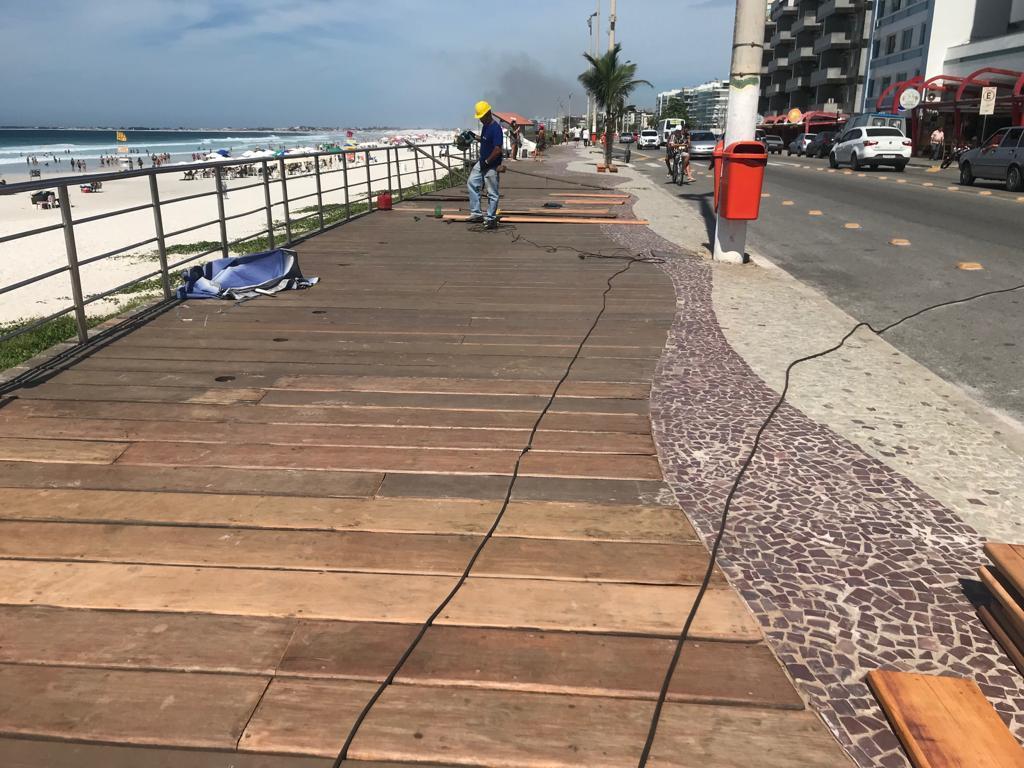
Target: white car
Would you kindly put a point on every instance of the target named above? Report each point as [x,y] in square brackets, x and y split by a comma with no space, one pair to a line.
[649,139]
[871,147]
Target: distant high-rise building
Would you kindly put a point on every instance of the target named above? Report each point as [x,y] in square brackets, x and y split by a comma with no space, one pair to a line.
[664,98]
[707,105]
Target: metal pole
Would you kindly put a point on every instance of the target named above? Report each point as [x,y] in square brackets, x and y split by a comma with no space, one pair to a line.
[369,185]
[597,37]
[611,26]
[284,197]
[741,118]
[398,169]
[158,226]
[319,193]
[417,161]
[267,206]
[433,167]
[344,183]
[387,160]
[220,212]
[72,253]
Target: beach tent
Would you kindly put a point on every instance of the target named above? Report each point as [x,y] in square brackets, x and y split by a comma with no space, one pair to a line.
[223,153]
[245,277]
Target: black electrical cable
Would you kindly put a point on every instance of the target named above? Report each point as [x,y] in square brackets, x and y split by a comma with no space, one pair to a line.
[720,533]
[630,261]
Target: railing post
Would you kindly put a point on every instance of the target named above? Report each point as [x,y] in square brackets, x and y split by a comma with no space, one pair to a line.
[433,165]
[284,197]
[387,159]
[72,253]
[344,183]
[158,226]
[369,185]
[398,171]
[416,159]
[220,212]
[319,193]
[267,206]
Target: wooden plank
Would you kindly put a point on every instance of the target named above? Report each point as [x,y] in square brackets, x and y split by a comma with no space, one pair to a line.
[551,662]
[602,195]
[160,641]
[326,435]
[1006,595]
[539,519]
[484,602]
[192,710]
[355,551]
[553,220]
[55,451]
[419,385]
[35,753]
[999,631]
[147,393]
[381,460]
[498,729]
[1010,562]
[944,721]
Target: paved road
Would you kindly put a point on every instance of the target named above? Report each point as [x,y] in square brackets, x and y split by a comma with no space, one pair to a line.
[835,230]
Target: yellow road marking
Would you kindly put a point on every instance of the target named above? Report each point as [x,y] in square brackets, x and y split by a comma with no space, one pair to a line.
[927,184]
[933,169]
[831,170]
[847,173]
[969,266]
[882,178]
[1020,199]
[787,202]
[861,175]
[952,189]
[985,192]
[766,194]
[814,213]
[851,225]
[901,181]
[899,241]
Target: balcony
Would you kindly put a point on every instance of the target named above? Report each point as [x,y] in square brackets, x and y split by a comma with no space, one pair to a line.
[783,37]
[773,90]
[783,8]
[795,83]
[802,53]
[829,76]
[831,40]
[832,7]
[806,23]
[779,62]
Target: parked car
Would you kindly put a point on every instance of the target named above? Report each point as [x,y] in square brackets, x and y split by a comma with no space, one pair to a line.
[798,146]
[774,144]
[626,138]
[1001,158]
[649,139]
[871,147]
[702,143]
[821,144]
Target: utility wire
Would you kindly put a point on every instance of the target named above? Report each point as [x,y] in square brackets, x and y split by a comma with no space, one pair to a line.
[630,261]
[723,521]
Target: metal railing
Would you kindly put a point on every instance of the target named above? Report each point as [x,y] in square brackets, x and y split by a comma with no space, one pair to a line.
[444,164]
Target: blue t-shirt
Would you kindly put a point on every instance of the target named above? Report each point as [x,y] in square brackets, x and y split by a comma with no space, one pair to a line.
[490,137]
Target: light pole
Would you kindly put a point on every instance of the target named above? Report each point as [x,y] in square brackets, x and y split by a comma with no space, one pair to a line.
[597,37]
[611,26]
[593,52]
[741,117]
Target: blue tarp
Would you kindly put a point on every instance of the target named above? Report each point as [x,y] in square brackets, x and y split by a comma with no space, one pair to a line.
[245,277]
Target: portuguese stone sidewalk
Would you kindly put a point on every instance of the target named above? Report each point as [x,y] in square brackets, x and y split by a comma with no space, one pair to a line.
[856,534]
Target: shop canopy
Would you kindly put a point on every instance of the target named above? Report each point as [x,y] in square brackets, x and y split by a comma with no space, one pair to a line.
[508,117]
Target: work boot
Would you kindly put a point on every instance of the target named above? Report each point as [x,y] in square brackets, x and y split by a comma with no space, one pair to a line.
[476,219]
[491,224]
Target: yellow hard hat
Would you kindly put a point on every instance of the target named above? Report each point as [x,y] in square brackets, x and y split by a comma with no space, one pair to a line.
[482,108]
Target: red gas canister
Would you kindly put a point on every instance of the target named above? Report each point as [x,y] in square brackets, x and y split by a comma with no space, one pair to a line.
[384,201]
[743,164]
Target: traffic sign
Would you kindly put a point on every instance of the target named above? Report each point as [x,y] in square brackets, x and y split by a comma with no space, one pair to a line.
[988,101]
[910,98]
[794,115]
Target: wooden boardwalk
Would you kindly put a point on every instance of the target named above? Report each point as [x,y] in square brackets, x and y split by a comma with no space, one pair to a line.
[219,533]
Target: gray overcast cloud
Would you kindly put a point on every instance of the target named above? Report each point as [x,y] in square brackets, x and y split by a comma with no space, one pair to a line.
[206,63]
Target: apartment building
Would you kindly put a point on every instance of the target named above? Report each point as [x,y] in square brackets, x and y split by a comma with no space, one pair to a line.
[815,55]
[996,39]
[707,105]
[663,99]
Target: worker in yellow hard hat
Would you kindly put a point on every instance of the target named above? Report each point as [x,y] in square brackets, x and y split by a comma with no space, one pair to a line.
[485,172]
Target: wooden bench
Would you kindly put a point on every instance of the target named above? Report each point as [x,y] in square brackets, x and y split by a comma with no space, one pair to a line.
[944,722]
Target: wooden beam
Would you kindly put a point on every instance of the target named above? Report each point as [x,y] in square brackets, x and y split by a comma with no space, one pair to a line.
[552,220]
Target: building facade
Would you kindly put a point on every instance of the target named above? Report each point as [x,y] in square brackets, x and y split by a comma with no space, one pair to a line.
[707,105]
[663,99]
[816,56]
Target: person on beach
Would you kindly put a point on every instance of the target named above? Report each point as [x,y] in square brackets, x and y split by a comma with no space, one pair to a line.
[542,141]
[485,172]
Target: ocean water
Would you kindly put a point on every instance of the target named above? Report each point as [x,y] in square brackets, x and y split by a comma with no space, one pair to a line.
[17,144]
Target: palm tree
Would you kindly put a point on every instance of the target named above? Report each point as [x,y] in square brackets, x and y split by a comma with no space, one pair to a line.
[610,82]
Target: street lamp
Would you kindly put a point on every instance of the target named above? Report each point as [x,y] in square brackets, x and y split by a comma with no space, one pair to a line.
[593,52]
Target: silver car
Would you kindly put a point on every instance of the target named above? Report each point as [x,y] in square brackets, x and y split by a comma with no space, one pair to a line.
[1000,159]
[702,143]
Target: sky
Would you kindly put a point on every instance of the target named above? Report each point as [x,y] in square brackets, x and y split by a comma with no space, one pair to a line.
[422,63]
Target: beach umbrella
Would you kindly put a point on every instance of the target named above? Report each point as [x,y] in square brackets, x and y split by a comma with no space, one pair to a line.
[223,152]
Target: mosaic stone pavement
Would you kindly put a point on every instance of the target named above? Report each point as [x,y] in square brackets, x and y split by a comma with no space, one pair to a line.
[847,565]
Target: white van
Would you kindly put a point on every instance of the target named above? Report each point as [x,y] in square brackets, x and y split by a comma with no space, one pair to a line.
[667,126]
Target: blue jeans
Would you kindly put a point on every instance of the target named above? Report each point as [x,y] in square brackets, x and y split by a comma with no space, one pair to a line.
[476,181]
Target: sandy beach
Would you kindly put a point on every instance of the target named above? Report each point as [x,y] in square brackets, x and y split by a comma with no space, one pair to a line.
[43,252]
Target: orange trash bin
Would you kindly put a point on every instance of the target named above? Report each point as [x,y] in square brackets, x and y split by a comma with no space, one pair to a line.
[743,164]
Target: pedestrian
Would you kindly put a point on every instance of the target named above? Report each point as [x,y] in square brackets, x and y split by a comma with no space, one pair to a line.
[938,141]
[515,137]
[671,146]
[542,141]
[685,156]
[485,171]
